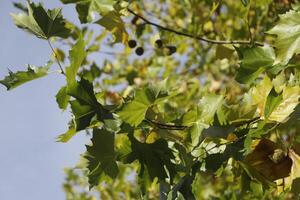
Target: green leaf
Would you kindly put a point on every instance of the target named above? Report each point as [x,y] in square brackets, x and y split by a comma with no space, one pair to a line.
[155,158]
[288,36]
[273,100]
[86,106]
[134,112]
[254,61]
[86,8]
[77,56]
[112,22]
[83,114]
[202,116]
[44,24]
[67,135]
[62,98]
[101,156]
[16,79]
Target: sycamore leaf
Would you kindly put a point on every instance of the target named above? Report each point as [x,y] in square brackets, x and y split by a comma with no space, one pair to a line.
[15,79]
[288,36]
[134,112]
[202,117]
[86,109]
[269,160]
[290,99]
[83,114]
[254,61]
[260,93]
[112,22]
[101,156]
[85,106]
[273,100]
[282,106]
[77,56]
[86,8]
[155,159]
[44,24]
[62,98]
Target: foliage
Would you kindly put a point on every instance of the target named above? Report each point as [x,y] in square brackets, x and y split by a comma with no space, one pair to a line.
[186,99]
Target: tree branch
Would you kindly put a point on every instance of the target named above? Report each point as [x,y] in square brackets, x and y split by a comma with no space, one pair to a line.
[165,126]
[190,35]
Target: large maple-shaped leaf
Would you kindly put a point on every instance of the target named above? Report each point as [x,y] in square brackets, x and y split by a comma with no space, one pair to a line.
[134,112]
[15,79]
[85,108]
[44,24]
[290,99]
[254,61]
[112,22]
[288,36]
[278,108]
[86,8]
[101,156]
[155,158]
[77,56]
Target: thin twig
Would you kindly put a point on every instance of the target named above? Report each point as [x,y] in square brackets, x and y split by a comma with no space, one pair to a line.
[190,35]
[166,126]
[56,57]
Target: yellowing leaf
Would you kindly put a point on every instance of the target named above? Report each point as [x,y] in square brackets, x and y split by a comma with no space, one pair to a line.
[87,8]
[290,99]
[113,23]
[288,36]
[260,93]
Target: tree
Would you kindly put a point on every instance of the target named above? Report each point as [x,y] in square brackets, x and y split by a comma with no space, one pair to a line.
[185,99]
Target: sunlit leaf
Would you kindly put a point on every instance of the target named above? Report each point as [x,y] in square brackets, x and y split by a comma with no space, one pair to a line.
[15,79]
[44,24]
[112,22]
[62,98]
[87,8]
[288,36]
[77,56]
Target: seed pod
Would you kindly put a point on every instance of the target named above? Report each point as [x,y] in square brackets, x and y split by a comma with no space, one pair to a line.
[139,51]
[159,43]
[134,20]
[132,43]
[169,50]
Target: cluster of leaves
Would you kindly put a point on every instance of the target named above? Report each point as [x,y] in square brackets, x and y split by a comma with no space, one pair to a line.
[219,118]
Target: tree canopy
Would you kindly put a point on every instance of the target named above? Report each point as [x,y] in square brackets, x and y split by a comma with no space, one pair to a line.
[193,99]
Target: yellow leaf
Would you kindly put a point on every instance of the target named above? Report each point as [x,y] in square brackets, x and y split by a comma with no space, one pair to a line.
[260,93]
[290,100]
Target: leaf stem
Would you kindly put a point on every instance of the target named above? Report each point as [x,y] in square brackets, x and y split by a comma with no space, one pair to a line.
[56,57]
[190,35]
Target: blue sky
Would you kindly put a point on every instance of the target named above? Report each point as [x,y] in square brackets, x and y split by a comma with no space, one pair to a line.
[32,162]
